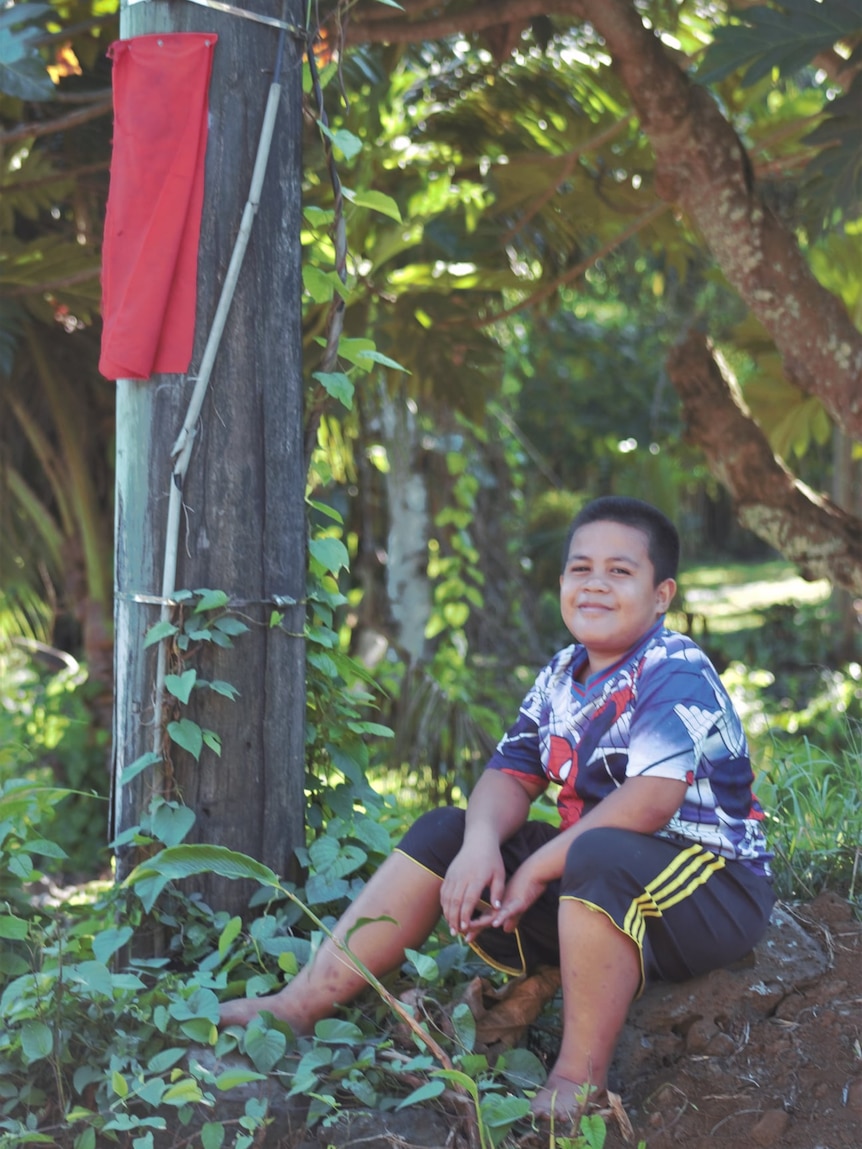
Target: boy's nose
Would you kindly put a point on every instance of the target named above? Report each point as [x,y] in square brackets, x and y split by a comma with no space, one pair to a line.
[596,582]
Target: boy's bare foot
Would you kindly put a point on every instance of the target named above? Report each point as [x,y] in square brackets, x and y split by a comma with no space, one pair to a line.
[244,1009]
[565,1100]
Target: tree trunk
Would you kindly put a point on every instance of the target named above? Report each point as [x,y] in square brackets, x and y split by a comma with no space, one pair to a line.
[243,527]
[845,634]
[809,529]
[409,527]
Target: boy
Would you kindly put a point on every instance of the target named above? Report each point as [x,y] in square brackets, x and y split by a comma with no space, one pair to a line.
[659,869]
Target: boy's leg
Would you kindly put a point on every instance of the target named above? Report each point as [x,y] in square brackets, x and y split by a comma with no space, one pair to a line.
[601,971]
[401,890]
[635,908]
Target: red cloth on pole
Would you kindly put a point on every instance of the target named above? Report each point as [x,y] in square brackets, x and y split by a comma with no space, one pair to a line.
[153,219]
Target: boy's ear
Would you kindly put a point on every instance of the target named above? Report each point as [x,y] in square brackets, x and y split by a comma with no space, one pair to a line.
[664,593]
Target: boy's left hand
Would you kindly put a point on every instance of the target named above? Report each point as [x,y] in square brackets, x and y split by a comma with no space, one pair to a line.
[523,888]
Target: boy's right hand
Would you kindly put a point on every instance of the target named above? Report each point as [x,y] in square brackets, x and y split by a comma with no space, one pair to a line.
[478,866]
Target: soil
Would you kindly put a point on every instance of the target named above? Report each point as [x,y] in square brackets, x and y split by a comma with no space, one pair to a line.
[768,1053]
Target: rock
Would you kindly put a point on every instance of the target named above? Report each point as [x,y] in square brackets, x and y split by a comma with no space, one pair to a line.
[787,960]
[770,1128]
[699,1035]
[854,1095]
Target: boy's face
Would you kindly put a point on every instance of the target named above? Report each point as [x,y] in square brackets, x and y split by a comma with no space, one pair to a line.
[608,594]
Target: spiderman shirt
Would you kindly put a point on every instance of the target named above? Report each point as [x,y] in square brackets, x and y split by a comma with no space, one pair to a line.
[662,712]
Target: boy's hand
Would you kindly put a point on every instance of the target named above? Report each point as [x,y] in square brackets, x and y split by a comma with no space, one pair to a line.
[478,866]
[525,887]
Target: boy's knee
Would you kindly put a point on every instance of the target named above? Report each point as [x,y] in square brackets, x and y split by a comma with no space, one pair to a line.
[594,853]
[435,838]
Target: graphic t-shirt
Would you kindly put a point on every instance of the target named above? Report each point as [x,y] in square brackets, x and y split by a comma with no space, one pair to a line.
[660,712]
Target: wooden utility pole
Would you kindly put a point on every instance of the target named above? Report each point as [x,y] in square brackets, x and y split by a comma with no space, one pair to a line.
[243,524]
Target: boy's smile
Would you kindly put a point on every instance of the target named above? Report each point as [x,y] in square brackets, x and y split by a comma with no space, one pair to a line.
[608,595]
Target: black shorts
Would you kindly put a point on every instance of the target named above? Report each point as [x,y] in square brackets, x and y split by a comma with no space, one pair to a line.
[687,909]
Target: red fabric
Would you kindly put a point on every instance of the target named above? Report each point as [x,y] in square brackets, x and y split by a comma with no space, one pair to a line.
[153,220]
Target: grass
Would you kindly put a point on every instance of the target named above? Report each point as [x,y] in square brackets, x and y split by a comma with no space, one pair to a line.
[736,597]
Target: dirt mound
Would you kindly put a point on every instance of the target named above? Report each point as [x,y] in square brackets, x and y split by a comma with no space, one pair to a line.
[766,1054]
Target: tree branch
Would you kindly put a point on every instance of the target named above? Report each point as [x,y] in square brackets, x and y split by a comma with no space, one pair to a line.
[806,527]
[60,124]
[702,166]
[437,26]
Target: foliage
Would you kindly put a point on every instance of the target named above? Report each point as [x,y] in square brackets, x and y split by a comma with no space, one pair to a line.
[47,739]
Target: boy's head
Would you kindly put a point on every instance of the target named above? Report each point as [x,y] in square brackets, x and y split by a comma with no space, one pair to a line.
[661,535]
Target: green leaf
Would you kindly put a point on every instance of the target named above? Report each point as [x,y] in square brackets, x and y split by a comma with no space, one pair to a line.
[769,38]
[464,1024]
[181,685]
[331,553]
[379,357]
[212,740]
[338,385]
[37,1041]
[21,865]
[22,69]
[426,1092]
[171,822]
[424,964]
[500,1112]
[184,1092]
[164,629]
[188,735]
[229,934]
[12,927]
[522,1068]
[209,599]
[139,765]
[179,862]
[233,1077]
[463,1079]
[119,1084]
[228,624]
[166,1059]
[107,942]
[375,200]
[212,1135]
[355,349]
[335,1031]
[86,1139]
[348,144]
[94,975]
[264,1046]
[322,285]
[227,689]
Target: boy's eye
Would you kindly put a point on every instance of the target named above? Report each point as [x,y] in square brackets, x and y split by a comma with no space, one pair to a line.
[621,570]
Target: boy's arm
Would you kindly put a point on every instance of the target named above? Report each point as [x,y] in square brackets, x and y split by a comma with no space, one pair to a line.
[642,804]
[498,806]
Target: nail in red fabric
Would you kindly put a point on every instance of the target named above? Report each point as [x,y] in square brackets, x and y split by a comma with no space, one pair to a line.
[153,218]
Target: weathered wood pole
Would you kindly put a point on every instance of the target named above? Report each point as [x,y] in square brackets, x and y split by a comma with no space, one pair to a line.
[243,527]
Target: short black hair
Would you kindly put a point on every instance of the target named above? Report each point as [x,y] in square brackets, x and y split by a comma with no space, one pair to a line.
[662,535]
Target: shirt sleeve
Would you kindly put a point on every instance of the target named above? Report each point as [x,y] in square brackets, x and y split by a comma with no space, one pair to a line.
[681,707]
[519,750]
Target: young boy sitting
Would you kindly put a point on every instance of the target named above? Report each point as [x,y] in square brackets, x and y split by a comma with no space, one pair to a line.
[659,869]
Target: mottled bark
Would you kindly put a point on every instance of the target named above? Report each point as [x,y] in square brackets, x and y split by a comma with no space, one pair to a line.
[806,527]
[701,166]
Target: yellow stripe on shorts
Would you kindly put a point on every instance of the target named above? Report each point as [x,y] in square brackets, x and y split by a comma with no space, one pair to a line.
[691,868]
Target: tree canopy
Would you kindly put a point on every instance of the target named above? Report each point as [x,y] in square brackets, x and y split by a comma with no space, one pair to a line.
[608,179]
